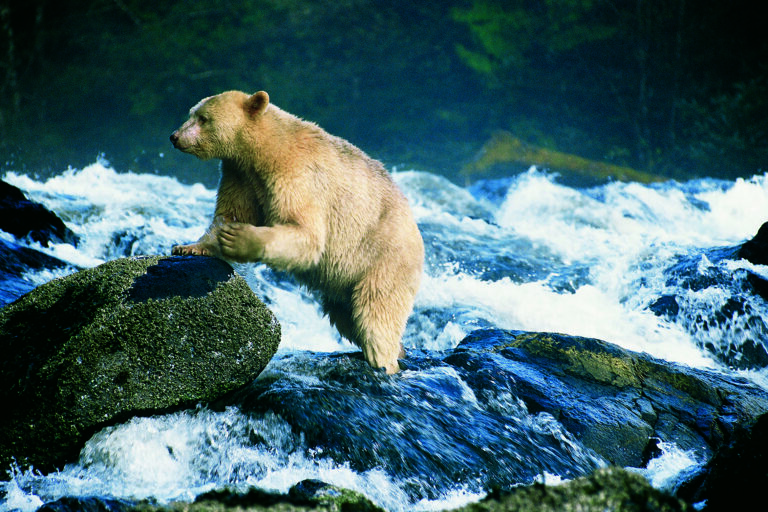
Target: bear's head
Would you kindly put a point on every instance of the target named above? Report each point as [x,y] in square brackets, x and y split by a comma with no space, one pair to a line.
[216,122]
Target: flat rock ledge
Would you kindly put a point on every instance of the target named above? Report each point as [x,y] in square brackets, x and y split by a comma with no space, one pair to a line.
[131,337]
[617,402]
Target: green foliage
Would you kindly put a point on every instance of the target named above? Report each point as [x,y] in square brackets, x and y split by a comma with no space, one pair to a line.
[512,35]
[651,79]
[504,33]
[660,86]
[730,125]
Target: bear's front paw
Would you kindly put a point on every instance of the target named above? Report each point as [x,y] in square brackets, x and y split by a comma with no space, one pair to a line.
[241,242]
[189,250]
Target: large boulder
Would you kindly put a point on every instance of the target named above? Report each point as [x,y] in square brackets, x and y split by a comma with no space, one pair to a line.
[616,402]
[131,337]
[502,408]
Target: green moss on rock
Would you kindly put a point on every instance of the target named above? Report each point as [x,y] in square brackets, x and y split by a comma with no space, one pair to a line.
[609,489]
[615,401]
[505,148]
[95,348]
[308,495]
[606,489]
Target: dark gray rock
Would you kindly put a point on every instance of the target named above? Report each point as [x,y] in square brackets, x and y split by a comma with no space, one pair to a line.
[130,337]
[755,250]
[737,476]
[87,504]
[23,218]
[479,414]
[605,489]
[616,402]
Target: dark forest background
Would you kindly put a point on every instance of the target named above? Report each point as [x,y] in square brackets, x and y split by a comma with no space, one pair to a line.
[677,88]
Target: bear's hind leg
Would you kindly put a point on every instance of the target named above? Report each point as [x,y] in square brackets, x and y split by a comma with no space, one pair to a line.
[380,312]
[340,315]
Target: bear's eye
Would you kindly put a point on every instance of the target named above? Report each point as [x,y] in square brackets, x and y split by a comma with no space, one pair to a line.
[203,119]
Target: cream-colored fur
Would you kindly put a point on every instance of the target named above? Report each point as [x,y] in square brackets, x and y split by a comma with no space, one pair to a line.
[312,204]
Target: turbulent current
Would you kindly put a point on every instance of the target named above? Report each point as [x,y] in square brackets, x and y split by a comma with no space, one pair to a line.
[646,267]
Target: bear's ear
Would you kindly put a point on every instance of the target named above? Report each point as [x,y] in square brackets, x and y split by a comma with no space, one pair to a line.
[256,104]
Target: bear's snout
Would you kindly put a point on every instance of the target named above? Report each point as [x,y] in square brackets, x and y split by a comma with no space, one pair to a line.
[177,141]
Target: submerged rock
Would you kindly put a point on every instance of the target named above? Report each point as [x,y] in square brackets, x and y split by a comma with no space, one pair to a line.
[15,260]
[130,337]
[25,219]
[305,495]
[719,306]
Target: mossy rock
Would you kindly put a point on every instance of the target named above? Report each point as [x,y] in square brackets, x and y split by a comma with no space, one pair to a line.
[616,402]
[131,337]
[605,489]
[505,148]
[308,495]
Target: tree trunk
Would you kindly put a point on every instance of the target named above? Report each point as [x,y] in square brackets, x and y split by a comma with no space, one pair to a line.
[10,86]
[641,110]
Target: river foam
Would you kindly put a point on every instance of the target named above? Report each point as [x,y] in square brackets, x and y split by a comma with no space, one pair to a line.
[525,253]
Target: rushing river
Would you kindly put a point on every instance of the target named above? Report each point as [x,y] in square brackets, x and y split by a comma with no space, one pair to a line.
[641,266]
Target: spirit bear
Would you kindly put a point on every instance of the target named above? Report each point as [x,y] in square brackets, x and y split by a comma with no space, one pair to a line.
[303,201]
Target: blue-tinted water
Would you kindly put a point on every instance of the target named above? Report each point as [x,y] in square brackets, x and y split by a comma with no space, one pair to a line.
[647,267]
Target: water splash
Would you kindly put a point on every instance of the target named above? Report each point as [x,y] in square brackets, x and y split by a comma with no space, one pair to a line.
[522,253]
